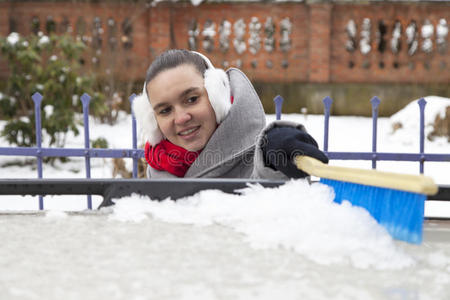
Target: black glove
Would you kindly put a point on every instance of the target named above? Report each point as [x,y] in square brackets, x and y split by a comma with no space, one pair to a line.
[283,144]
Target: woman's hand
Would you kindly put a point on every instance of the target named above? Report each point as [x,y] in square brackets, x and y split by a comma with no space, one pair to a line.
[283,144]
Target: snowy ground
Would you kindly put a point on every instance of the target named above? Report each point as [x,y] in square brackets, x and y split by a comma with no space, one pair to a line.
[106,255]
[264,244]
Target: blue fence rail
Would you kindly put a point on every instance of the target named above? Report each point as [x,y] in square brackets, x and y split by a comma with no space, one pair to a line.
[375,156]
[134,153]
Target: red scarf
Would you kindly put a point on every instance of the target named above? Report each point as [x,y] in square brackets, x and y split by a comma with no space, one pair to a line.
[169,157]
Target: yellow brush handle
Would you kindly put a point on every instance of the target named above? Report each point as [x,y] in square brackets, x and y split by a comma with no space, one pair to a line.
[405,182]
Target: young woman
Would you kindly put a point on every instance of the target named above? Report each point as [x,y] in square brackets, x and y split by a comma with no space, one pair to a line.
[199,121]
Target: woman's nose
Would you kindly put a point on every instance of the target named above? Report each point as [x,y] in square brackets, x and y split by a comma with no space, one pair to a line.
[182,116]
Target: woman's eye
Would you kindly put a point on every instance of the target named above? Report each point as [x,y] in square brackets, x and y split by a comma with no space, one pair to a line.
[164,111]
[192,99]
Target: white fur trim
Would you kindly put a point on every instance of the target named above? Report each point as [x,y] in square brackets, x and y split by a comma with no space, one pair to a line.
[145,118]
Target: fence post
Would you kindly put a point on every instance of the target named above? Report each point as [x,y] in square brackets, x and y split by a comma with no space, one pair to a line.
[327,101]
[278,104]
[422,102]
[375,103]
[85,100]
[37,99]
[134,136]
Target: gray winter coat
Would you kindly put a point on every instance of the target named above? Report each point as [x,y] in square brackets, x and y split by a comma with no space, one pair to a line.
[231,150]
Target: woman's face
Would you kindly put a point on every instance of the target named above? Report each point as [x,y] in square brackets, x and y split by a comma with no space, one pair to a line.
[182,108]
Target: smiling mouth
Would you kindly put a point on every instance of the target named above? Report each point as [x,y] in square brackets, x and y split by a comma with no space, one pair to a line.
[188,131]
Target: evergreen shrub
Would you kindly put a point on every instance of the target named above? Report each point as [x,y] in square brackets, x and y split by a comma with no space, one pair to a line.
[51,66]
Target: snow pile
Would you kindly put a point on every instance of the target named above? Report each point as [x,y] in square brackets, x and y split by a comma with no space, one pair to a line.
[407,121]
[295,216]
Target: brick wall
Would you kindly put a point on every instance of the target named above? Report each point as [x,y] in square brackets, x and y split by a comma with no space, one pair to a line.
[255,65]
[379,67]
[317,53]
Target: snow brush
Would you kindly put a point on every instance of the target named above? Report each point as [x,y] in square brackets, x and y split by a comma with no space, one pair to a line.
[395,200]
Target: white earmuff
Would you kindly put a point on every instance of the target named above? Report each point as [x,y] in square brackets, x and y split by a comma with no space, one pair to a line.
[217,86]
[146,120]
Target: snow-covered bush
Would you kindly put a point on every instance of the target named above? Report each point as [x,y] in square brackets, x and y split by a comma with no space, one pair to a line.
[48,65]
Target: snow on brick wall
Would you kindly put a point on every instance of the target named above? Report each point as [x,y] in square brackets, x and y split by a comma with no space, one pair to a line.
[276,41]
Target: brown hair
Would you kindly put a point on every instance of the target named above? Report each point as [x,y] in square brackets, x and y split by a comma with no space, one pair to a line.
[174,58]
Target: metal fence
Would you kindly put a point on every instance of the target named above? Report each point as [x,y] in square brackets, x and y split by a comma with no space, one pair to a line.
[87,152]
[134,153]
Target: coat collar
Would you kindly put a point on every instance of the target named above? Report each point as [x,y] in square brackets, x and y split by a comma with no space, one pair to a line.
[237,133]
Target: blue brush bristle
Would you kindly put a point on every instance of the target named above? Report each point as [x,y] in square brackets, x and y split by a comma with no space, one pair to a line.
[400,212]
